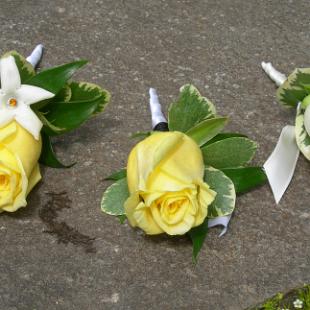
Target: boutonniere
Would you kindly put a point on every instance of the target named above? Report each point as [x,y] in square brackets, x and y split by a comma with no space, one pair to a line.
[293,92]
[183,177]
[34,107]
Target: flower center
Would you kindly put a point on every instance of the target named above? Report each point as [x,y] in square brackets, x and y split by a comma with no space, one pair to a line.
[12,102]
[3,181]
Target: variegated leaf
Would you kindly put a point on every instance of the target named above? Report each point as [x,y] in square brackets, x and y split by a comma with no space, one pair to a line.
[225,199]
[190,109]
[25,69]
[87,91]
[114,198]
[302,137]
[295,88]
[64,95]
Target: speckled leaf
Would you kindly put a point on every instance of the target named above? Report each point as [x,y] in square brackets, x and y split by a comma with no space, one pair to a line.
[190,109]
[225,199]
[207,129]
[25,69]
[302,137]
[87,91]
[114,198]
[295,88]
[228,153]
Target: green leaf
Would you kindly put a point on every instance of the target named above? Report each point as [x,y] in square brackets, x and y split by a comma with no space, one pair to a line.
[225,135]
[25,69]
[246,178]
[207,129]
[114,198]
[190,109]
[70,115]
[302,137]
[224,202]
[55,78]
[198,235]
[63,95]
[295,88]
[228,153]
[48,156]
[122,218]
[48,127]
[117,175]
[88,91]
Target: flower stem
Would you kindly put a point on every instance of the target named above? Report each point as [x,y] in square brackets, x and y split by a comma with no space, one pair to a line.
[159,122]
[36,55]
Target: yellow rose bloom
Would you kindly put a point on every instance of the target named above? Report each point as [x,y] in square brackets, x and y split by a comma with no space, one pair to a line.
[19,168]
[165,181]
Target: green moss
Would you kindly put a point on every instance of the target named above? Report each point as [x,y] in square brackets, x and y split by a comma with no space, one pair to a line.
[285,301]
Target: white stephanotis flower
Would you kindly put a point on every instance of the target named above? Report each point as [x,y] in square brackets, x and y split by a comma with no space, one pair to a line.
[16,98]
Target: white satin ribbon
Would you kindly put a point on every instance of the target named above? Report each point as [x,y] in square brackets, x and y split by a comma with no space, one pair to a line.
[281,164]
[155,106]
[158,117]
[220,221]
[36,55]
[276,76]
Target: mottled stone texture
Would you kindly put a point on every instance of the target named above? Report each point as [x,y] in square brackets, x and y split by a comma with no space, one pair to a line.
[74,257]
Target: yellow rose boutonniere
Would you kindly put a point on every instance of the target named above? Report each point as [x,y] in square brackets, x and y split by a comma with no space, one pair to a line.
[33,108]
[182,178]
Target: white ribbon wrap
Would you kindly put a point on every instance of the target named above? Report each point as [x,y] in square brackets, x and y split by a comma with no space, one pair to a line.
[222,221]
[36,55]
[155,106]
[276,76]
[281,164]
[158,117]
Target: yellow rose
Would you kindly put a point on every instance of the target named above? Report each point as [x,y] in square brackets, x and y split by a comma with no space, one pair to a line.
[19,168]
[165,181]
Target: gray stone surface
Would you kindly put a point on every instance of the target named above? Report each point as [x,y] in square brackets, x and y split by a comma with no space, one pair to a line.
[131,45]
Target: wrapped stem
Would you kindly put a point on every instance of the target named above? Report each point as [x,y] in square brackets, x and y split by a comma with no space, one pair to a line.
[276,76]
[159,122]
[35,57]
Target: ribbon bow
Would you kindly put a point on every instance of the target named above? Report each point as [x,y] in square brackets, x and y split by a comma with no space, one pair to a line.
[293,91]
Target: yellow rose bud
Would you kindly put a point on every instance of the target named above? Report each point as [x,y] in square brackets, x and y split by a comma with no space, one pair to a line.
[165,181]
[19,168]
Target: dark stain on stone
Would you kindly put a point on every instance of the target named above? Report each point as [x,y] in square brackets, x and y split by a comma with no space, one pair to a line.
[64,233]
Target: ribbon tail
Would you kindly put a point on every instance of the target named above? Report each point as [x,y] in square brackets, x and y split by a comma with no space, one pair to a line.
[281,164]
[221,220]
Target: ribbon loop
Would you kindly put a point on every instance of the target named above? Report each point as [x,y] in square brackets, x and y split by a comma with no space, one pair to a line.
[280,166]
